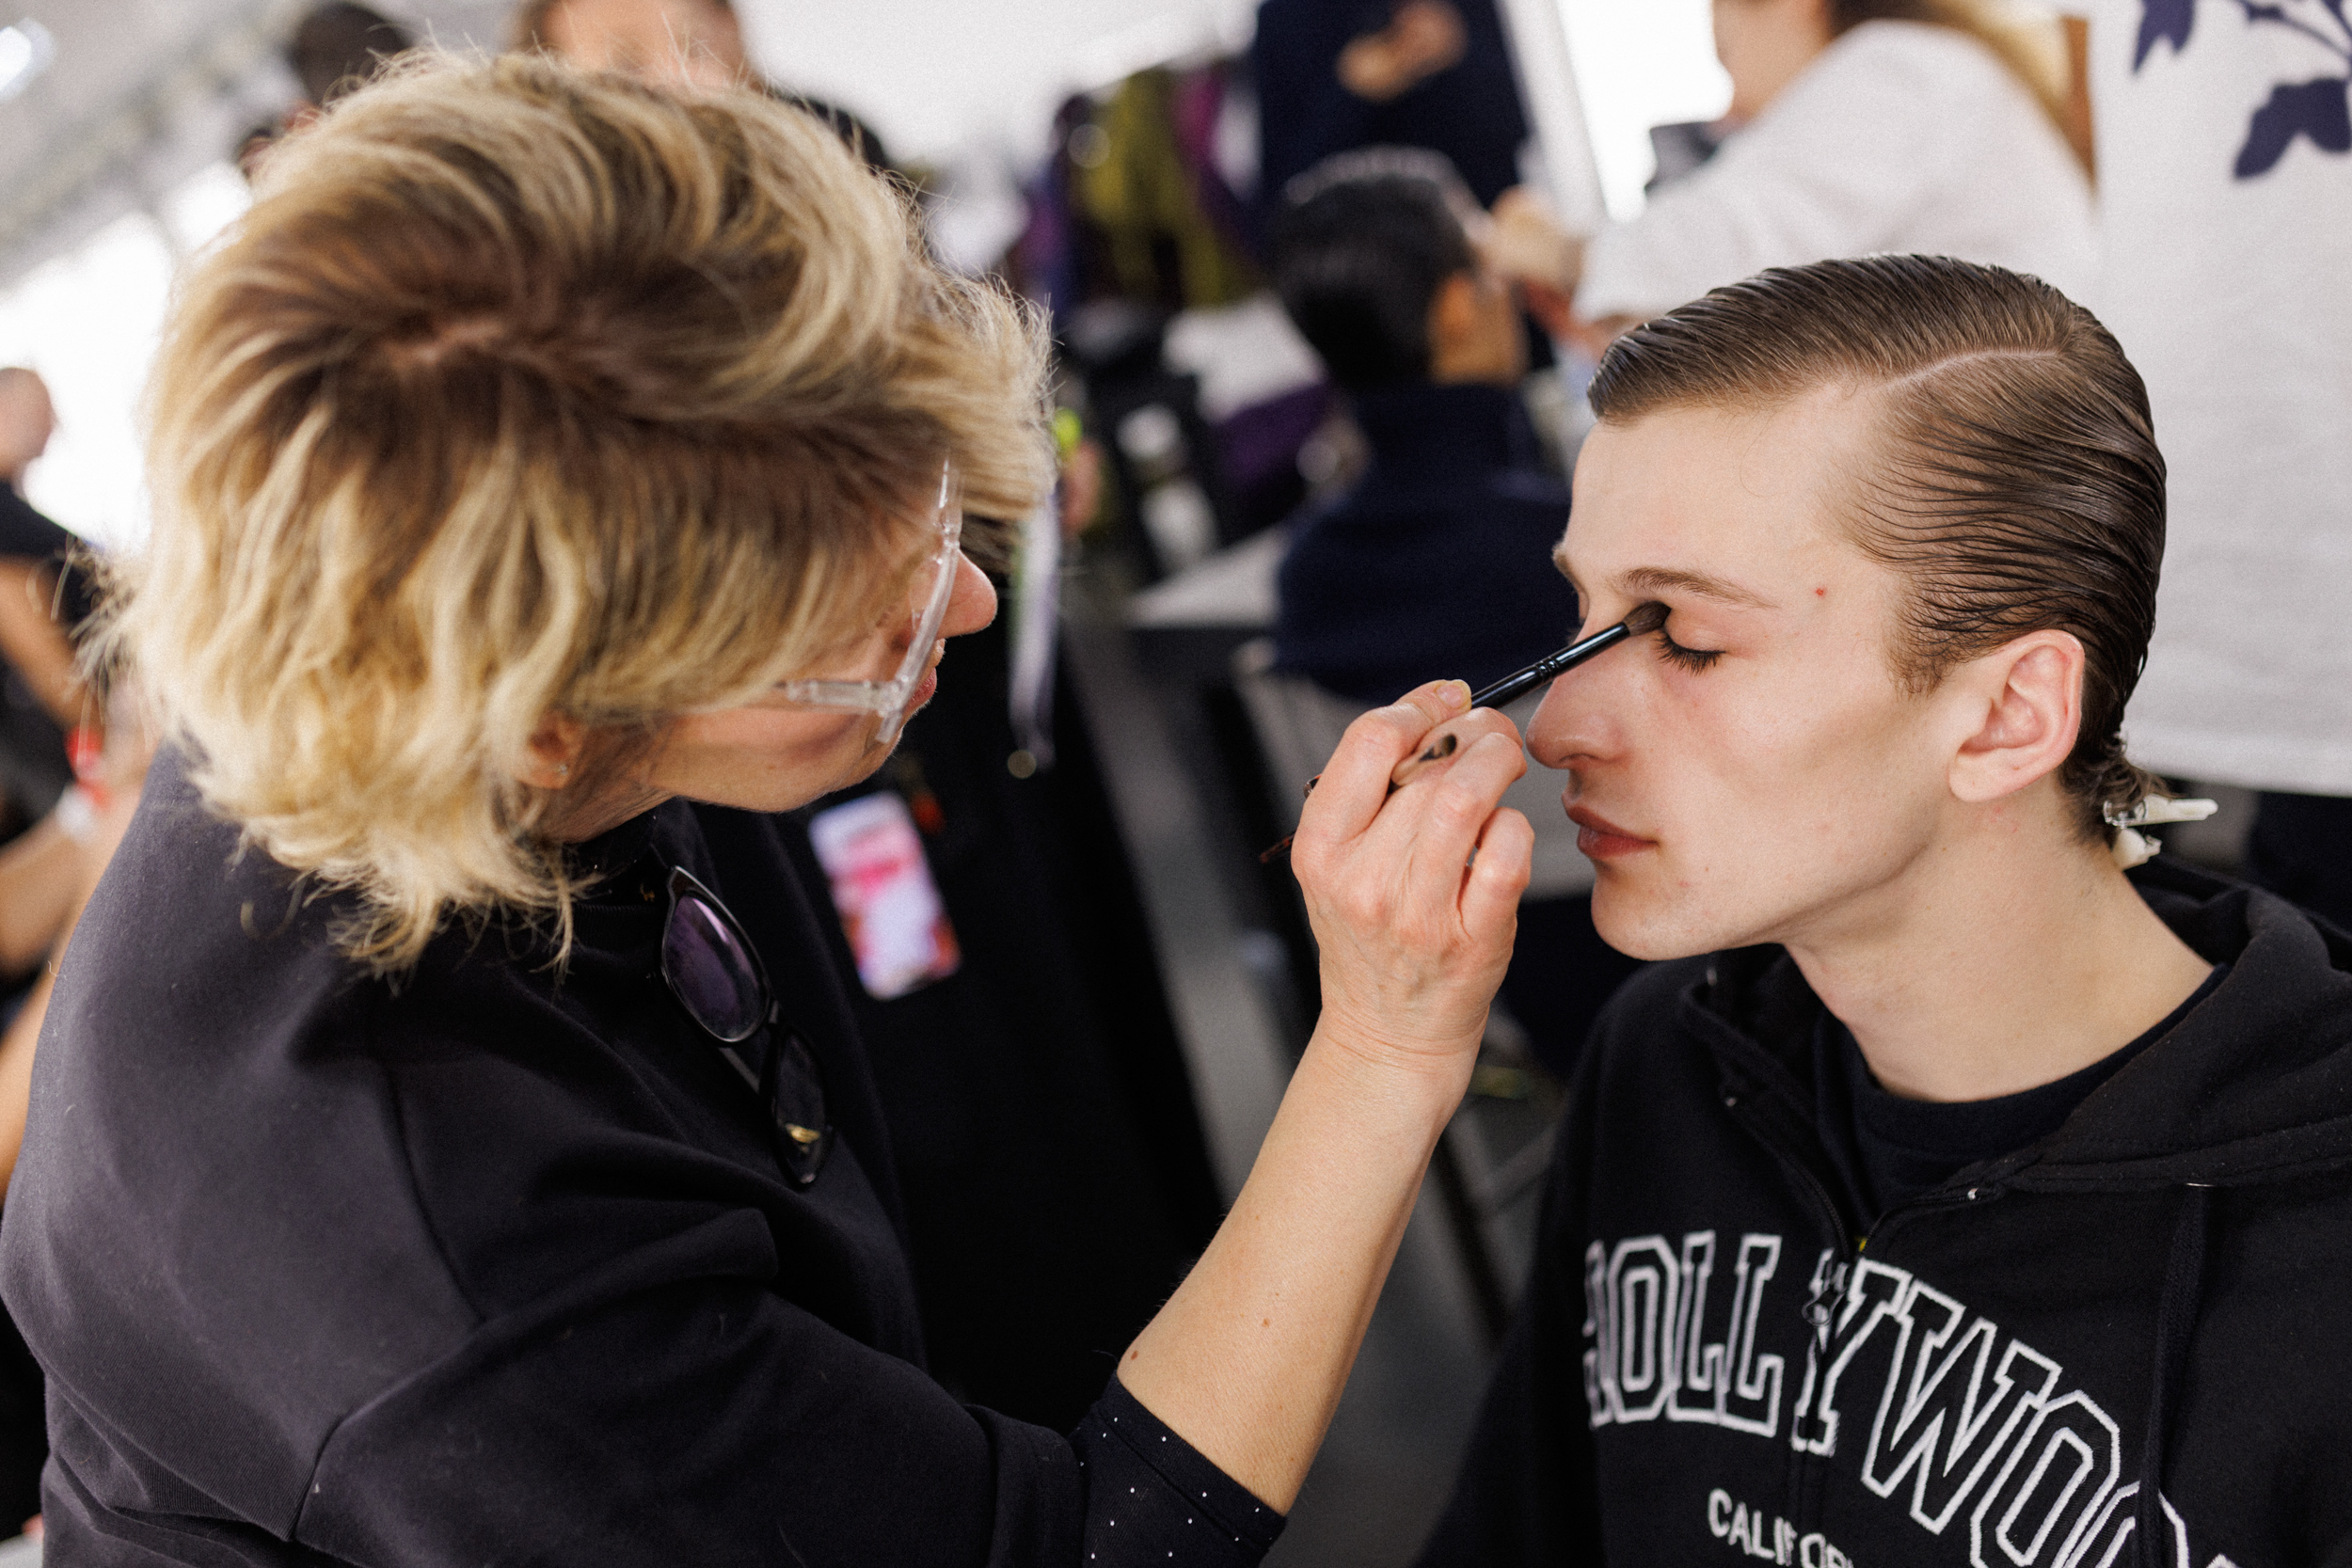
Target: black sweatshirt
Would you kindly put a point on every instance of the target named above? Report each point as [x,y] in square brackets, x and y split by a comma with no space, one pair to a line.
[1709,1367]
[498,1264]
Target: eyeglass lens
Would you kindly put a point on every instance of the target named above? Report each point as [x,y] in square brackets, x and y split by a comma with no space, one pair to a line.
[711,974]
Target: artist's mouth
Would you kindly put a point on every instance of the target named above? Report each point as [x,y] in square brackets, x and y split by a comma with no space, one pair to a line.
[1601,839]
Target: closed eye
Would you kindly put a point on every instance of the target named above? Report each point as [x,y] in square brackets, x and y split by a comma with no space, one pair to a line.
[1690,659]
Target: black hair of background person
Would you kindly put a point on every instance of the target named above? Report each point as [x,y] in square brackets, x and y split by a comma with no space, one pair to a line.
[1056,1180]
[338,46]
[1471,111]
[1357,266]
[1436,563]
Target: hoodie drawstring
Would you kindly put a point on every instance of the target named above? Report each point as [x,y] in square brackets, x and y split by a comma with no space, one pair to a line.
[2176,1327]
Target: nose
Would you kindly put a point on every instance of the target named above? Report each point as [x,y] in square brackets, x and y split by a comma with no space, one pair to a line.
[972,603]
[1581,717]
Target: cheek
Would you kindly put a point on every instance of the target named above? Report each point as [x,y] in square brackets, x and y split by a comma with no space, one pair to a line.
[765,759]
[1774,781]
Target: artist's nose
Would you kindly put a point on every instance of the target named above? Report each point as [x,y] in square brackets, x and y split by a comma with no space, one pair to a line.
[972,603]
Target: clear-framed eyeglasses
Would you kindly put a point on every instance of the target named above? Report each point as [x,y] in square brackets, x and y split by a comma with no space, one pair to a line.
[888,695]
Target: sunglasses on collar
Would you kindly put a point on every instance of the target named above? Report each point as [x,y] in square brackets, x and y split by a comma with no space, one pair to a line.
[710,967]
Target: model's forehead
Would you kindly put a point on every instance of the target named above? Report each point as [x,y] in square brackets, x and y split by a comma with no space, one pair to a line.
[1748,497]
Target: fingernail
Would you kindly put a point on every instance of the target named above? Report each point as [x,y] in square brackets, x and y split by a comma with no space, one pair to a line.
[1456,695]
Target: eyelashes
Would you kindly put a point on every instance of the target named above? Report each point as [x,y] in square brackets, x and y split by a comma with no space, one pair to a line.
[1651,617]
[1689,659]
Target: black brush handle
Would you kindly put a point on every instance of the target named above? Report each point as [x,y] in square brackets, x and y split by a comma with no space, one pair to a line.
[1510,688]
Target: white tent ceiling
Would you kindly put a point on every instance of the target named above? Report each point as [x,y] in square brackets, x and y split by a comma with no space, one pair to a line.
[143,94]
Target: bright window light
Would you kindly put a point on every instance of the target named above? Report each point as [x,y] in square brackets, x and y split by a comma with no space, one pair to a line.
[25,50]
[89,322]
[1651,62]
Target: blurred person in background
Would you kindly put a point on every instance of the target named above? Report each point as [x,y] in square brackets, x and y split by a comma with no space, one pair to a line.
[2225,192]
[1039,1002]
[47,875]
[697,42]
[340,47]
[1436,561]
[1334,75]
[335,48]
[1928,126]
[450,1141]
[44,599]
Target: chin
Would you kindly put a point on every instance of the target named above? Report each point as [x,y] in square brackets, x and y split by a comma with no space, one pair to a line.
[1642,925]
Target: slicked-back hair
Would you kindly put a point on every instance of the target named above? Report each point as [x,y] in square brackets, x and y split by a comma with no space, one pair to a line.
[1364,242]
[2016,485]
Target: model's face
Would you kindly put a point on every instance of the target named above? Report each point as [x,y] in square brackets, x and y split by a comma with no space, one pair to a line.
[1769,785]
[683,42]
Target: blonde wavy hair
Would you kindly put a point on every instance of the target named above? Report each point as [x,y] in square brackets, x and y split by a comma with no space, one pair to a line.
[524,392]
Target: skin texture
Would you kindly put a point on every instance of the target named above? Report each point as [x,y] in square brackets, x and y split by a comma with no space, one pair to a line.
[1422,37]
[1474,336]
[681,42]
[1766,44]
[1911,851]
[1414,899]
[762,756]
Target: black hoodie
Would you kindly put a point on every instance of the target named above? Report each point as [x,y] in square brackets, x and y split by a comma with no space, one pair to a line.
[1708,1365]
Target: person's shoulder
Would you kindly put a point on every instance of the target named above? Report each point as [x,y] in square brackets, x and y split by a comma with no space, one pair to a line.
[212,1176]
[1940,61]
[28,533]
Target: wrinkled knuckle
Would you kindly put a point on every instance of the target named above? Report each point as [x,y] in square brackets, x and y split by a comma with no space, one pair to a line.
[1459,804]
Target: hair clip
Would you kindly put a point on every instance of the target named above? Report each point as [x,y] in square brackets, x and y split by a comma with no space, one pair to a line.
[2154,810]
[2134,847]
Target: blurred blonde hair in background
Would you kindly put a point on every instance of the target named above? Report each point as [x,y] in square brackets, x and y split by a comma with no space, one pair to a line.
[524,392]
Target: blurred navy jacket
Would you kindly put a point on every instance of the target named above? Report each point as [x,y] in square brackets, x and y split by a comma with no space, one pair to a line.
[1470,111]
[1436,564]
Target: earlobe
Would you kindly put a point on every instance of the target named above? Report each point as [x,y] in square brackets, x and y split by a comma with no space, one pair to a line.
[1453,313]
[552,751]
[2031,692]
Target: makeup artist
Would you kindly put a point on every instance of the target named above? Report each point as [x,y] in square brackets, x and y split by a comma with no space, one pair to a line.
[450,1143]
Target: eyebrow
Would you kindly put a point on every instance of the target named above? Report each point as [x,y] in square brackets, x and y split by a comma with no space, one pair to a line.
[1652,582]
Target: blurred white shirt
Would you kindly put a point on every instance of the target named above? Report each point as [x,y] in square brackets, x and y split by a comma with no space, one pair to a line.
[1901,136]
[2229,282]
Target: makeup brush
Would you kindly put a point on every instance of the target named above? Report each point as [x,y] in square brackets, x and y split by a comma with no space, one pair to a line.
[1646,619]
[1510,688]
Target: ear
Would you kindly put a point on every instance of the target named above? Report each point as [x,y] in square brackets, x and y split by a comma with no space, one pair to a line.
[554,750]
[2026,698]
[1453,317]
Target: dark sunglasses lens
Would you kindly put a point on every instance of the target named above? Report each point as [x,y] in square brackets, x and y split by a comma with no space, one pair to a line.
[712,974]
[800,1109]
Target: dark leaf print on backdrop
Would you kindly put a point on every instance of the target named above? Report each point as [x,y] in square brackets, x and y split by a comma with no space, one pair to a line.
[2319,110]
[2168,19]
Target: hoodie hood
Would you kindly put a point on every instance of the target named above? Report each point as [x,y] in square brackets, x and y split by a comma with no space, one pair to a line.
[2254,1084]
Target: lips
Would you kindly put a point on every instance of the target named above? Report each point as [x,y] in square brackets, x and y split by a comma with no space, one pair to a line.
[1602,839]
